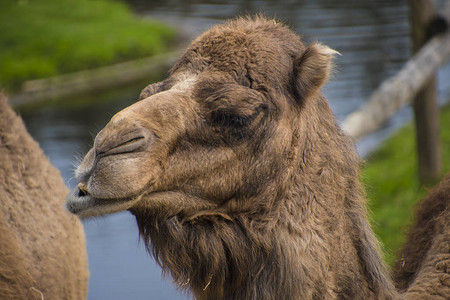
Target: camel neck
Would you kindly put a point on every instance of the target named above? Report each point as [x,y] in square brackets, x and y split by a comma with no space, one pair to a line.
[219,258]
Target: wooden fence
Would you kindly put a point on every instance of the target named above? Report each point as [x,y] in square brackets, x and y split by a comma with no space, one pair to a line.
[415,81]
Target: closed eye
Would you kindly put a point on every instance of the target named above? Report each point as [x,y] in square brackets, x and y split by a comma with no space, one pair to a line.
[230,118]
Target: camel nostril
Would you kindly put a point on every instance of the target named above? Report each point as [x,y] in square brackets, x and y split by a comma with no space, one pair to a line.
[82,190]
[81,193]
[126,144]
[130,145]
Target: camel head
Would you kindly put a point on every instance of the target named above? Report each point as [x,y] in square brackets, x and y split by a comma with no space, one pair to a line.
[225,127]
[221,128]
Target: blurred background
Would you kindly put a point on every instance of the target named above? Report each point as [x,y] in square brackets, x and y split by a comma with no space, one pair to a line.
[37,40]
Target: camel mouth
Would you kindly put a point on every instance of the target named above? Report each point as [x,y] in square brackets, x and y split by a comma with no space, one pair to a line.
[79,202]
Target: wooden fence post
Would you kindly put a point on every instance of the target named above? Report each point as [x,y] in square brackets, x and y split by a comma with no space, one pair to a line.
[425,104]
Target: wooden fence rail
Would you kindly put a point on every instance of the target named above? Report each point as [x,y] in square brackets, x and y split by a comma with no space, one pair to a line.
[398,90]
[93,80]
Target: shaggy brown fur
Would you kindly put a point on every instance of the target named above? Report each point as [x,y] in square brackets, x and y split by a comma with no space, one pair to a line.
[241,182]
[424,262]
[42,248]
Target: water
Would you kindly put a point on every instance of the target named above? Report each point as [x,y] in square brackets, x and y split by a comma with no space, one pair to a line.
[372,38]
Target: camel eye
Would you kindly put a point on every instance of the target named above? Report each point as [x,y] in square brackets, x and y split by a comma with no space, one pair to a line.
[228,117]
[237,124]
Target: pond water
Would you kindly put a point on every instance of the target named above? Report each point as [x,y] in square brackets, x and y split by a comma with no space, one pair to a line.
[372,38]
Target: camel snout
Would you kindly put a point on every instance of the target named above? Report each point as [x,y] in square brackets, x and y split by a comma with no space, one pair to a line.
[105,187]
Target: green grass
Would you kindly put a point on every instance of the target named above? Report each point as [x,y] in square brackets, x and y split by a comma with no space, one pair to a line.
[42,38]
[392,185]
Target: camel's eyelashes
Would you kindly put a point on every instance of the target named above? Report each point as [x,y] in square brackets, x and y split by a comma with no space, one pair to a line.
[236,125]
[231,118]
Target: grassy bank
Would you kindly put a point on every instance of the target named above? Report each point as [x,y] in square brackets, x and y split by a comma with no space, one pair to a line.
[390,177]
[48,37]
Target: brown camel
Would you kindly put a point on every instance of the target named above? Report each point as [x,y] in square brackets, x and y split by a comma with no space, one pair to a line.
[242,184]
[42,247]
[424,262]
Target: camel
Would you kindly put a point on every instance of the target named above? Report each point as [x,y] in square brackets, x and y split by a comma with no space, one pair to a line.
[424,261]
[42,249]
[242,184]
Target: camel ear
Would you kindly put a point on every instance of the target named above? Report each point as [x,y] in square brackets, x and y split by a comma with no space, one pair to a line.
[151,89]
[312,69]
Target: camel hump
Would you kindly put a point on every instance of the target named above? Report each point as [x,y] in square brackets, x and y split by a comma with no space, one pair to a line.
[424,261]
